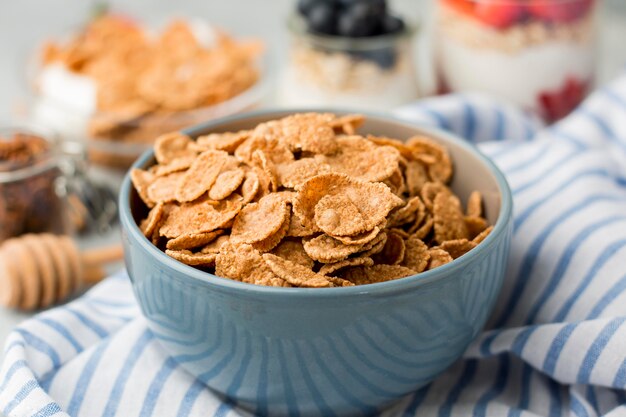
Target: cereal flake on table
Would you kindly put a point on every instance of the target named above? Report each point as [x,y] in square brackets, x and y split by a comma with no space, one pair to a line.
[305,201]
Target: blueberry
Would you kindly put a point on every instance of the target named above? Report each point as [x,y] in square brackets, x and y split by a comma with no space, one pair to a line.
[392,24]
[358,21]
[322,18]
[304,6]
[385,58]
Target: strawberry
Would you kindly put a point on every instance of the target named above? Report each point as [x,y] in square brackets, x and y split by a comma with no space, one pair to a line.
[560,11]
[557,104]
[463,6]
[499,15]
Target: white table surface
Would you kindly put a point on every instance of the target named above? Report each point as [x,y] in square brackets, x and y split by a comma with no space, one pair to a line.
[23,23]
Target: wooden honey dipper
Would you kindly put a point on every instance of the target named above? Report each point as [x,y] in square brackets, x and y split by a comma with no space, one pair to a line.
[38,270]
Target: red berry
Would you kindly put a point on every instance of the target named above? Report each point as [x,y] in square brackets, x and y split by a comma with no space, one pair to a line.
[499,15]
[560,11]
[558,104]
[463,6]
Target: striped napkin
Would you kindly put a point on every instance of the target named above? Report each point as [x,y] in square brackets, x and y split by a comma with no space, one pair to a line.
[555,346]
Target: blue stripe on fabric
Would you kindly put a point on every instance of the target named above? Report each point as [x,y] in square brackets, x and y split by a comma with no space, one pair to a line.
[480,409]
[41,345]
[570,138]
[556,403]
[120,382]
[469,122]
[453,396]
[92,325]
[84,379]
[592,398]
[224,408]
[109,303]
[606,255]
[521,218]
[48,410]
[596,349]
[441,120]
[619,381]
[598,121]
[556,347]
[521,339]
[505,150]
[156,386]
[549,171]
[577,407]
[26,389]
[524,400]
[534,249]
[533,159]
[620,396]
[418,399]
[15,366]
[63,331]
[564,261]
[192,394]
[615,291]
[499,132]
[617,99]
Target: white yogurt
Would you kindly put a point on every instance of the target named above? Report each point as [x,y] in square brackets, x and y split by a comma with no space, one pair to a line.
[66,101]
[382,94]
[519,77]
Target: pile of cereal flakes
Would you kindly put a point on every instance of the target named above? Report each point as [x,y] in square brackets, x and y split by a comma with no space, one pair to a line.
[143,80]
[304,201]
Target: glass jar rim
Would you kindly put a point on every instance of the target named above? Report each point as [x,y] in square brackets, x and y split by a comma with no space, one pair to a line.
[45,161]
[296,26]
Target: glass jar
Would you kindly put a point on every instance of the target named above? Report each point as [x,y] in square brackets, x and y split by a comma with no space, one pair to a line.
[30,168]
[372,73]
[538,54]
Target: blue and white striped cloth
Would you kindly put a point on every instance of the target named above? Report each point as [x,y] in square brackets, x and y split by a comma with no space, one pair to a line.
[557,344]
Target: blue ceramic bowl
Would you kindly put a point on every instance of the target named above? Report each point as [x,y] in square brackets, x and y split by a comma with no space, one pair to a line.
[352,350]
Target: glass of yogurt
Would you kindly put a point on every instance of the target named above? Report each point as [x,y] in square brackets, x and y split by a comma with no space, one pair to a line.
[538,54]
[368,73]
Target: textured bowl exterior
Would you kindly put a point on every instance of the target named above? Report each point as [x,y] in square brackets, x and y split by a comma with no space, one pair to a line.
[316,351]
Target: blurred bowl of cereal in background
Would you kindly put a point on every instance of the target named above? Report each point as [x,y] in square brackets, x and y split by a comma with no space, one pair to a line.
[117,83]
[315,263]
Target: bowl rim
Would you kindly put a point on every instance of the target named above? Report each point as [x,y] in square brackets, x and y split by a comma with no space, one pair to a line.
[377,289]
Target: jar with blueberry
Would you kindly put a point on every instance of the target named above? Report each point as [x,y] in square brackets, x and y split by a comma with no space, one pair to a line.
[353,53]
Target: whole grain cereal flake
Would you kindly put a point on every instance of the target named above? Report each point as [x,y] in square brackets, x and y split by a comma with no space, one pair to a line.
[201,175]
[193,259]
[226,183]
[329,269]
[258,221]
[293,250]
[172,146]
[190,241]
[373,201]
[295,274]
[200,216]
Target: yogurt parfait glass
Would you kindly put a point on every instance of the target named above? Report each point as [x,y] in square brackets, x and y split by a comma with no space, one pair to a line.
[363,73]
[539,54]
